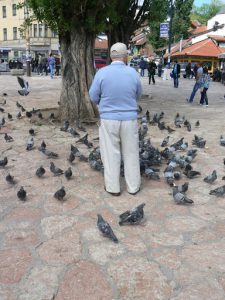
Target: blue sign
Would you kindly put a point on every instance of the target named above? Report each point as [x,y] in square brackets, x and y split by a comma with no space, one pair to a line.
[164,30]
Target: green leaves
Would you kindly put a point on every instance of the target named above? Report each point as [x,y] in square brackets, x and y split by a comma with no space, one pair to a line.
[206,11]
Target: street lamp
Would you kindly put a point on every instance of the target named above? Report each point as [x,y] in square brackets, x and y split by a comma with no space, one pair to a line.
[170,29]
[27,35]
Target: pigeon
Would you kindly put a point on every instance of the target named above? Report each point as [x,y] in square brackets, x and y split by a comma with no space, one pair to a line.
[10,179]
[21,194]
[4,94]
[68,173]
[18,115]
[28,114]
[8,138]
[4,102]
[197,124]
[40,172]
[181,198]
[165,142]
[151,174]
[18,104]
[31,132]
[139,109]
[211,178]
[22,109]
[40,115]
[222,141]
[224,161]
[106,229]
[10,117]
[3,162]
[43,145]
[2,110]
[182,188]
[133,216]
[65,126]
[191,174]
[2,123]
[147,114]
[24,85]
[177,175]
[56,171]
[52,116]
[83,158]
[60,194]
[73,132]
[48,153]
[219,192]
[199,142]
[75,150]
[30,144]
[72,157]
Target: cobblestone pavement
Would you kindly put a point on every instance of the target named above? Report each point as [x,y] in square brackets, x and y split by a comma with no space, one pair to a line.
[51,250]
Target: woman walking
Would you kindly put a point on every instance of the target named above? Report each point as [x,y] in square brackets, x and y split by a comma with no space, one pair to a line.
[205,85]
[51,64]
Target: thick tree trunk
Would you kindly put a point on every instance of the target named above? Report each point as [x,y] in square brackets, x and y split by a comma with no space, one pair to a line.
[77,49]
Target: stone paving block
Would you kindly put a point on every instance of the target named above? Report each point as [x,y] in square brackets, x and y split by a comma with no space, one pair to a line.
[85,280]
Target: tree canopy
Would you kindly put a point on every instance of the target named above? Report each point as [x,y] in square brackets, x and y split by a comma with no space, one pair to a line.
[206,11]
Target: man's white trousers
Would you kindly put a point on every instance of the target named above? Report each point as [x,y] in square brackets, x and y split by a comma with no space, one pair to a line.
[120,139]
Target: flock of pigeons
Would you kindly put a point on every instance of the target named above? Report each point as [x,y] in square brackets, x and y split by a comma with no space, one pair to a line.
[177,156]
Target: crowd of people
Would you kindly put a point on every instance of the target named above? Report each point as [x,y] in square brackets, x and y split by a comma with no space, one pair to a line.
[43,65]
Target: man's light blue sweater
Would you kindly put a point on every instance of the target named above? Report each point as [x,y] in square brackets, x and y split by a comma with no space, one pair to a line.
[116,89]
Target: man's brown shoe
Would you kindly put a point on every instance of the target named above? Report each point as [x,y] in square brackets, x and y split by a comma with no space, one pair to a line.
[113,194]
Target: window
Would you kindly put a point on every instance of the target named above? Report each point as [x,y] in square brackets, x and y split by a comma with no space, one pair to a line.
[4,11]
[16,53]
[45,31]
[5,34]
[54,34]
[14,9]
[35,30]
[40,30]
[15,33]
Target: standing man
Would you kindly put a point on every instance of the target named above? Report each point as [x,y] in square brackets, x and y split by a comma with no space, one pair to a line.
[198,83]
[176,74]
[160,66]
[151,71]
[116,89]
[51,64]
[142,66]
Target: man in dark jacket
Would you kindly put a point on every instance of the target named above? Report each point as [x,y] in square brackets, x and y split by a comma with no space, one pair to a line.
[151,71]
[142,65]
[176,74]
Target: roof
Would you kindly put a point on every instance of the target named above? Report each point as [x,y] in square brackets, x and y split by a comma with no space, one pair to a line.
[217,38]
[195,23]
[199,29]
[206,48]
[101,44]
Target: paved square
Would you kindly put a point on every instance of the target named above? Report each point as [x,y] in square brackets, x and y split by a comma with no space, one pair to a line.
[51,250]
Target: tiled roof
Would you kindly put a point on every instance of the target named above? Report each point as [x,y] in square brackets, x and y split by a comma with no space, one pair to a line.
[206,48]
[101,44]
[218,38]
[195,23]
[199,29]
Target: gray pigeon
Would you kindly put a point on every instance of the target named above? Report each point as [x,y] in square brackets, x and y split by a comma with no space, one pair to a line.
[211,178]
[3,162]
[181,198]
[222,141]
[60,194]
[68,173]
[165,142]
[56,171]
[133,216]
[24,85]
[182,188]
[10,179]
[106,229]
[30,144]
[22,194]
[40,172]
[219,192]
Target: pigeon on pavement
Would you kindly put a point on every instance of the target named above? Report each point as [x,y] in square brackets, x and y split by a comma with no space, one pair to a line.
[56,171]
[211,178]
[133,216]
[106,229]
[22,194]
[60,194]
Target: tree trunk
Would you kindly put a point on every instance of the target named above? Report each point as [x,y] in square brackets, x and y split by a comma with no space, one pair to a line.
[77,48]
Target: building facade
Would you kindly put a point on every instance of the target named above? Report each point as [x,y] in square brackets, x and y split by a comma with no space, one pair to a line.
[14,44]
